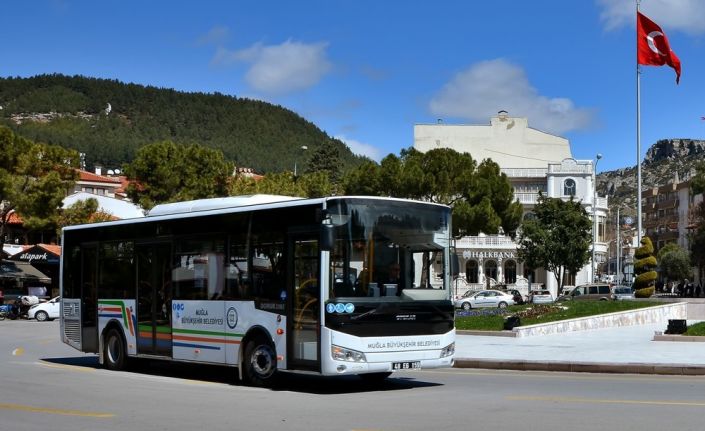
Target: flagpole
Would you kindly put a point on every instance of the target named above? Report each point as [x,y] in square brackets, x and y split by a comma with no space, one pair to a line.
[638,141]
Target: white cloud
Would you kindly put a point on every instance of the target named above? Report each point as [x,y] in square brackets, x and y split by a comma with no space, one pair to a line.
[279,69]
[479,92]
[684,15]
[361,148]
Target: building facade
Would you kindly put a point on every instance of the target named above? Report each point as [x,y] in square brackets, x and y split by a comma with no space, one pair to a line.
[534,161]
[667,216]
[666,213]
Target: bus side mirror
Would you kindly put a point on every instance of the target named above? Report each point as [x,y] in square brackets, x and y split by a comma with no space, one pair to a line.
[454,265]
[327,240]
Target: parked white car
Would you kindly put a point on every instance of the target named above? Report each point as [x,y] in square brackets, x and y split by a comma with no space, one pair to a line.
[622,293]
[485,298]
[540,297]
[46,310]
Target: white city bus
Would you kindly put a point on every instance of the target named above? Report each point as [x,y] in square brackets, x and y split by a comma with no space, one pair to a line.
[336,286]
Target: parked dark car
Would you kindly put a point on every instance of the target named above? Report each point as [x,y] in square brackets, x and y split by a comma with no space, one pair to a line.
[518,297]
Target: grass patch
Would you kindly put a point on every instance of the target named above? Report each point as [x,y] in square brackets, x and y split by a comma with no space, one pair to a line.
[493,319]
[697,330]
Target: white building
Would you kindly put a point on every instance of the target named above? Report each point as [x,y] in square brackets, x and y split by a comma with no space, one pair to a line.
[534,161]
[120,209]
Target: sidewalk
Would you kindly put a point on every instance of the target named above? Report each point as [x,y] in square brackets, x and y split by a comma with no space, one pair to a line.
[627,349]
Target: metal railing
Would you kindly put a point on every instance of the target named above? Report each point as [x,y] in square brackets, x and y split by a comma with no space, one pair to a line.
[485,241]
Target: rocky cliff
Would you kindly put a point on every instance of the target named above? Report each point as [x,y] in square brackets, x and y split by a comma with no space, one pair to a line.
[666,161]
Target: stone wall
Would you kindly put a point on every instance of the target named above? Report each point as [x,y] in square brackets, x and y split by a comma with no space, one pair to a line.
[659,313]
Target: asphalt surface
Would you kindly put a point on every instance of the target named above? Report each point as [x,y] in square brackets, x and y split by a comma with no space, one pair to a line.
[630,349]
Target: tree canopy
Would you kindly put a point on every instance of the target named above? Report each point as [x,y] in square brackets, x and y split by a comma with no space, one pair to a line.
[311,185]
[82,212]
[169,172]
[674,263]
[33,181]
[481,196]
[556,236]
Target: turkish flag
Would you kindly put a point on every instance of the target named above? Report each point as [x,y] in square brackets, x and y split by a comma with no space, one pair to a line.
[652,46]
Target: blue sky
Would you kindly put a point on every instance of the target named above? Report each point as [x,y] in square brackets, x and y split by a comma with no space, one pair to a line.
[367,71]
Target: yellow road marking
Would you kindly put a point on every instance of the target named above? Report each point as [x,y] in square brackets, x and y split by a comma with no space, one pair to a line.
[607,401]
[66,367]
[18,351]
[63,412]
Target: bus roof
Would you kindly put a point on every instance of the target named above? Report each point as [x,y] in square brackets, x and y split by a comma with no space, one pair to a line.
[203,207]
[216,203]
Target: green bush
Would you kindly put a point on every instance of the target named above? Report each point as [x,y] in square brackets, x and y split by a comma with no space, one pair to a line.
[644,266]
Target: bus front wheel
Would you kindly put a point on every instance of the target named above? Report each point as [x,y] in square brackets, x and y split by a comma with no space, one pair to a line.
[114,352]
[259,362]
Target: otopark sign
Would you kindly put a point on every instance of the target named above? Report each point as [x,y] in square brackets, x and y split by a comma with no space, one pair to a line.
[36,254]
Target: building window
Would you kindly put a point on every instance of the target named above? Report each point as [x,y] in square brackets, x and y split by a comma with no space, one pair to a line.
[568,278]
[491,269]
[471,274]
[569,187]
[510,272]
[529,275]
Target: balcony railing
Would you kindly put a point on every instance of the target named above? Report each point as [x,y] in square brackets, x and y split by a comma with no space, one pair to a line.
[527,198]
[573,169]
[525,172]
[485,241]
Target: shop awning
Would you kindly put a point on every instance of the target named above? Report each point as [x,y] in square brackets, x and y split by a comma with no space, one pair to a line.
[22,271]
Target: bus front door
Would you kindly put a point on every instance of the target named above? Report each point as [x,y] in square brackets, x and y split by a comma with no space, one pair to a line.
[154,299]
[304,303]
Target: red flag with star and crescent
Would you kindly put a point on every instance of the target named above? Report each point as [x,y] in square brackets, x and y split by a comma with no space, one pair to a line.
[652,46]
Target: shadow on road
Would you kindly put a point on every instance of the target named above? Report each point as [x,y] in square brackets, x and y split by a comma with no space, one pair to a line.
[304,383]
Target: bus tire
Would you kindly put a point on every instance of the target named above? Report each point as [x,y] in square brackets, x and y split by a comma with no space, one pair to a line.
[114,352]
[259,362]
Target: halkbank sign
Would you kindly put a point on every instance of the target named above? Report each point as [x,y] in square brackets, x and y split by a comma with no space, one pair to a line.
[467,254]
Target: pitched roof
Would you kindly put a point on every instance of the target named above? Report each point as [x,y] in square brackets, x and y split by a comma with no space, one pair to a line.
[90,176]
[14,218]
[51,248]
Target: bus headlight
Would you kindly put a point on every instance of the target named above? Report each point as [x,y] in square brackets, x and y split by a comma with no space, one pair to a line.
[448,350]
[349,355]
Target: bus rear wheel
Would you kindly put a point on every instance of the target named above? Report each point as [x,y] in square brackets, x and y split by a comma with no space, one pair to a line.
[114,352]
[259,362]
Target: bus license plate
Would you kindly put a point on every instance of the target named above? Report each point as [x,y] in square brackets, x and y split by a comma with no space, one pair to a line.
[406,365]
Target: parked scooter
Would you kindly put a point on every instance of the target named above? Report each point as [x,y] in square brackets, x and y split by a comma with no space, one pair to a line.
[20,307]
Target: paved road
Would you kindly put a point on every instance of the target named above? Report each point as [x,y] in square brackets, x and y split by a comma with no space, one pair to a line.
[46,385]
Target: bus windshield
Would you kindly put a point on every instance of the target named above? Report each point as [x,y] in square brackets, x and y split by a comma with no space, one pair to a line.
[389,250]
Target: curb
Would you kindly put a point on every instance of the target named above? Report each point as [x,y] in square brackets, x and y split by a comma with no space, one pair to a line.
[583,367]
[682,338]
[510,334]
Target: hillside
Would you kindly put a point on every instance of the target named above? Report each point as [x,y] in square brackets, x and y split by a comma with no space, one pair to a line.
[73,112]
[666,160]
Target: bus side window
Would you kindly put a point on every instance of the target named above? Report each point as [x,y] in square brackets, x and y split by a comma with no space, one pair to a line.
[199,269]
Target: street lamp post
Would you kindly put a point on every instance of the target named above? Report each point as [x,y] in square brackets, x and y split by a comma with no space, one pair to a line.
[304,148]
[594,213]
